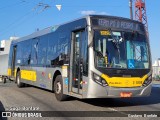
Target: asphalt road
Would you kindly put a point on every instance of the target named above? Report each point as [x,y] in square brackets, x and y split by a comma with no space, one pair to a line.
[12,97]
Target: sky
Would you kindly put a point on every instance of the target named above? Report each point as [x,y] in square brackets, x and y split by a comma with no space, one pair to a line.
[23,17]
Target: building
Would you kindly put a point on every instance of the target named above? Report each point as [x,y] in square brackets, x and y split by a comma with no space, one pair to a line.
[156,69]
[4,52]
[5,45]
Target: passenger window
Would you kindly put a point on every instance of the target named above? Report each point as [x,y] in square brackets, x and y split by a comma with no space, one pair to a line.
[26,52]
[42,49]
[57,53]
[34,53]
[19,54]
[52,49]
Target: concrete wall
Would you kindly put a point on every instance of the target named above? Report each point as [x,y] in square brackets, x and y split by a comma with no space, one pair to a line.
[4,58]
[156,68]
[3,64]
[6,48]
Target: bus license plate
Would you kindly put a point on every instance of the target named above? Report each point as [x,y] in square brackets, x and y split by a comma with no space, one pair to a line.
[125,94]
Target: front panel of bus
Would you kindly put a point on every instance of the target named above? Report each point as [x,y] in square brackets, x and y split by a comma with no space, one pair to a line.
[121,59]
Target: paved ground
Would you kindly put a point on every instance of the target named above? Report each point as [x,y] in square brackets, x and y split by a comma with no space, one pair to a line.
[13,97]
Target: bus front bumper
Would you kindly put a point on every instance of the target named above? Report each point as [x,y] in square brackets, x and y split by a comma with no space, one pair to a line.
[113,92]
[135,92]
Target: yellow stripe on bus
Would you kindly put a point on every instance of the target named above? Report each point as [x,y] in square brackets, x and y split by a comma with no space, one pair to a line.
[28,75]
[64,67]
[9,72]
[15,73]
[124,81]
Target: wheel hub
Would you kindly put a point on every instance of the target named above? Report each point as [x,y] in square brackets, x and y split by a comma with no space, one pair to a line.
[18,80]
[58,87]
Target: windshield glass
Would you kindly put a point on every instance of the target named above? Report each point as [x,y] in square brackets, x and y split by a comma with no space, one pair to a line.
[126,50]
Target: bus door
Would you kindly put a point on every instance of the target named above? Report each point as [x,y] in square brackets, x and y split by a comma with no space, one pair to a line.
[76,62]
[13,61]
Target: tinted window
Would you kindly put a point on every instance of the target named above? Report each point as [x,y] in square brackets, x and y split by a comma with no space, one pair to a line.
[84,53]
[63,48]
[10,55]
[52,53]
[42,49]
[57,53]
[26,45]
[19,54]
[34,53]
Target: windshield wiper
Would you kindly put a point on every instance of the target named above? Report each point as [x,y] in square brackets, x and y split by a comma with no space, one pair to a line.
[99,53]
[115,41]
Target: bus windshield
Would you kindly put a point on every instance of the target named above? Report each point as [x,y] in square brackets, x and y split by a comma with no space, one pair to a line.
[125,50]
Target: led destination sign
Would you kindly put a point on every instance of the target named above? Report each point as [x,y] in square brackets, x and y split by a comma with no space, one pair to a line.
[118,24]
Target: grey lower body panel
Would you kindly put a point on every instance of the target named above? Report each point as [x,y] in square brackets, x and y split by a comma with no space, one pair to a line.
[97,91]
[4,65]
[136,92]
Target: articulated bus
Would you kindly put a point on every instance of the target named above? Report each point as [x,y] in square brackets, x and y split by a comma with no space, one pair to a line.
[95,56]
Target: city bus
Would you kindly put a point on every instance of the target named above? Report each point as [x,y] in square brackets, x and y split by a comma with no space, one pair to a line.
[95,56]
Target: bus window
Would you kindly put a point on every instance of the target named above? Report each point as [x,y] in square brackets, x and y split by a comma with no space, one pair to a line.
[34,53]
[63,48]
[26,52]
[19,54]
[137,54]
[110,50]
[42,49]
[52,50]
[84,54]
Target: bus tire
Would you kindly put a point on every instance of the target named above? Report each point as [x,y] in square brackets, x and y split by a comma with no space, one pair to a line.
[58,89]
[18,80]
[4,80]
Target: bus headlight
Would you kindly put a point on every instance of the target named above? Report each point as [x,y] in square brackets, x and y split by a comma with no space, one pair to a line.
[99,80]
[147,81]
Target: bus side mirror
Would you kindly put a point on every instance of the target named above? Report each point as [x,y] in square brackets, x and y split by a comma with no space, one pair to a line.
[62,58]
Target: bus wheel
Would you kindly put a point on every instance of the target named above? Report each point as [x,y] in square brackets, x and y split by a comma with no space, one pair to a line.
[4,80]
[58,88]
[18,80]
